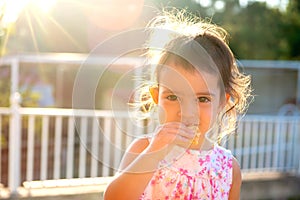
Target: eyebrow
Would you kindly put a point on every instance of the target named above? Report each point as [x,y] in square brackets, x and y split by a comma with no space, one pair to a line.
[206,93]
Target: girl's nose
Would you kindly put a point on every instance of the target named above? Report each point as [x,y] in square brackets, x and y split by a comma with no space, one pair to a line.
[189,112]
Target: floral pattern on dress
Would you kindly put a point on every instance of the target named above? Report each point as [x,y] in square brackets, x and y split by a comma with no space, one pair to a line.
[195,174]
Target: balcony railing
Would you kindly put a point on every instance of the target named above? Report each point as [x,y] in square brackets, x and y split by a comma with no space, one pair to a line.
[52,144]
[48,144]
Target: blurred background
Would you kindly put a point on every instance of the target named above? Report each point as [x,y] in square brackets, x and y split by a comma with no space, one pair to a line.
[259,30]
[43,44]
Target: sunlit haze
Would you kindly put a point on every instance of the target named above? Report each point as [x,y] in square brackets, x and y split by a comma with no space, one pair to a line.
[12,8]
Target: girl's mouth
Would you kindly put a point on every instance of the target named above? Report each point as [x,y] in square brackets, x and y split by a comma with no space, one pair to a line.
[195,128]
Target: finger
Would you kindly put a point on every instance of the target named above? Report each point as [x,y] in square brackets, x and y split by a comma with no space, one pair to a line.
[182,131]
[185,133]
[180,126]
[179,135]
[183,141]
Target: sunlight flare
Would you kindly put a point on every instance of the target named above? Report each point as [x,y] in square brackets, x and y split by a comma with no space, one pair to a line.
[11,9]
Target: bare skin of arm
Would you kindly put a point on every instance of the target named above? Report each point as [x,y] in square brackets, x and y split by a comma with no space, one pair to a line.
[136,178]
[236,181]
[141,160]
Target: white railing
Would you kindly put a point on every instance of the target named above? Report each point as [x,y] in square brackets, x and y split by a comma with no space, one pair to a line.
[267,143]
[66,144]
[50,144]
[62,143]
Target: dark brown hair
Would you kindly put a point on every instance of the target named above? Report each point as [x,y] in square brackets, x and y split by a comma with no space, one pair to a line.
[213,45]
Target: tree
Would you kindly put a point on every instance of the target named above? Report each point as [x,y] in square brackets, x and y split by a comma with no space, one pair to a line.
[257,33]
[292,28]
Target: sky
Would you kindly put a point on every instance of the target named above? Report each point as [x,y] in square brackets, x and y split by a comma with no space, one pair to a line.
[272,3]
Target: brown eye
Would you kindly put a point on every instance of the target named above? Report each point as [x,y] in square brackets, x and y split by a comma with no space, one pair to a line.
[203,99]
[172,97]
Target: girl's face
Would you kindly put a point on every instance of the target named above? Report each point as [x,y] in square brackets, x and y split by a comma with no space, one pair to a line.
[189,97]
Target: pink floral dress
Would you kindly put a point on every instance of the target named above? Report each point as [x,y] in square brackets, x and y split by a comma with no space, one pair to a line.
[192,174]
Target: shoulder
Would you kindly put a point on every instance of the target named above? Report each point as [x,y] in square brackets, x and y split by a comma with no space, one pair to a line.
[226,153]
[228,162]
[138,145]
[236,172]
[236,180]
[134,149]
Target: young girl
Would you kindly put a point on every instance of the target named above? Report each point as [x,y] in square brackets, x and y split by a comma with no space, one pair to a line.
[198,93]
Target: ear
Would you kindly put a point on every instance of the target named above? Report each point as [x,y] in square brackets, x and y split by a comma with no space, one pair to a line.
[224,102]
[227,97]
[154,93]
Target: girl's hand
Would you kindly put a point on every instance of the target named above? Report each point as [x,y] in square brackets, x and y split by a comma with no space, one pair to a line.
[167,136]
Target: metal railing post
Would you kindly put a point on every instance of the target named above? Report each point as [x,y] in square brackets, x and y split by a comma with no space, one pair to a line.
[297,147]
[15,132]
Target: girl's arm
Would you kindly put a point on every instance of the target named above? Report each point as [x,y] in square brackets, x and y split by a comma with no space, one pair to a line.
[141,161]
[136,170]
[236,181]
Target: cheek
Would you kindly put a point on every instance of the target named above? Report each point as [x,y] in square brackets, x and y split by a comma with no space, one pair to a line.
[162,115]
[208,116]
[168,112]
[205,118]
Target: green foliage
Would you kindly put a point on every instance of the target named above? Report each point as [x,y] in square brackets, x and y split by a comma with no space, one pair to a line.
[4,86]
[292,28]
[30,98]
[257,31]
